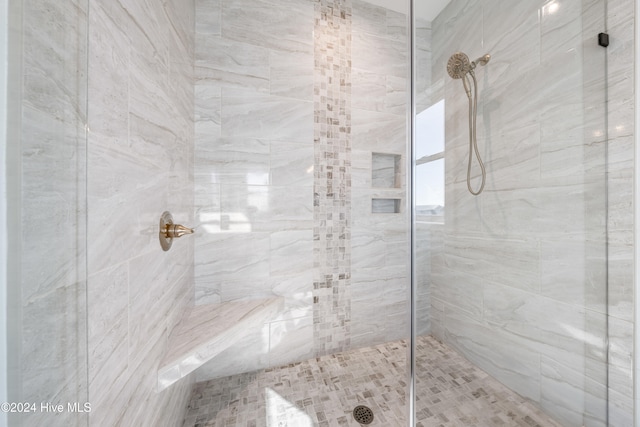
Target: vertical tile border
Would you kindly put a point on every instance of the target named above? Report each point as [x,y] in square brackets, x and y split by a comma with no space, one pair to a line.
[332,176]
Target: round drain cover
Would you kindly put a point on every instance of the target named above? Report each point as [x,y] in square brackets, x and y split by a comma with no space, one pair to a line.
[363,414]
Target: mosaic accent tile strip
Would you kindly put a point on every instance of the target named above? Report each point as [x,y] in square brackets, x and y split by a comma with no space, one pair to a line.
[324,391]
[332,176]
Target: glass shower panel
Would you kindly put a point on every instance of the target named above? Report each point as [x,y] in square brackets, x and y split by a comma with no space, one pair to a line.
[46,310]
[515,278]
[300,175]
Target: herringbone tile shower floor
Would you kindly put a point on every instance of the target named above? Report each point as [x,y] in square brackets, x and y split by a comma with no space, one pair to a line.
[323,392]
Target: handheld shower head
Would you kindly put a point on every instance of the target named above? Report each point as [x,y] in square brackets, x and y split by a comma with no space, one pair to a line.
[458,65]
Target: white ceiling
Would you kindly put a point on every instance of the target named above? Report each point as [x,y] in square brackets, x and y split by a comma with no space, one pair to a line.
[425,9]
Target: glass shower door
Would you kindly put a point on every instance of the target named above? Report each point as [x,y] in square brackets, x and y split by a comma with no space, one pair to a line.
[46,165]
[514,279]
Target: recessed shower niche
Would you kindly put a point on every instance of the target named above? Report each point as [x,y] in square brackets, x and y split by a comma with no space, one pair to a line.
[386,174]
[385,170]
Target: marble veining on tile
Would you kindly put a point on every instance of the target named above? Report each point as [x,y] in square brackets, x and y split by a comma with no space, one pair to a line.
[139,164]
[208,330]
[324,391]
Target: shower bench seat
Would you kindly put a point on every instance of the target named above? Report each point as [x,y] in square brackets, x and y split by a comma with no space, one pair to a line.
[208,330]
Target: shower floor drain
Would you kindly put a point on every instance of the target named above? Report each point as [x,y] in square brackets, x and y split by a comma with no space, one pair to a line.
[363,414]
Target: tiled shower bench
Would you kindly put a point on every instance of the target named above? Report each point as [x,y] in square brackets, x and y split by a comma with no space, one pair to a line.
[208,330]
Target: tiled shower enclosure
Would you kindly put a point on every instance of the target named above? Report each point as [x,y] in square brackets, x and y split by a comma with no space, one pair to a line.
[280,130]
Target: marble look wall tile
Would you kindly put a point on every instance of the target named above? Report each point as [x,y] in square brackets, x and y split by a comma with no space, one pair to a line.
[266,208]
[565,217]
[620,103]
[462,14]
[246,255]
[507,36]
[51,207]
[232,160]
[164,150]
[368,249]
[561,34]
[243,206]
[293,211]
[114,211]
[620,409]
[397,25]
[206,293]
[573,336]
[153,280]
[513,158]
[462,213]
[207,103]
[291,164]
[482,257]
[208,17]
[517,211]
[240,289]
[464,293]
[140,164]
[495,353]
[291,252]
[206,131]
[563,395]
[620,276]
[424,316]
[267,23]
[231,63]
[512,310]
[570,273]
[620,204]
[368,90]
[108,334]
[249,354]
[109,71]
[395,100]
[379,54]
[621,355]
[378,132]
[298,297]
[52,368]
[291,74]
[367,17]
[207,200]
[423,253]
[423,34]
[267,117]
[398,253]
[563,99]
[398,325]
[145,379]
[367,323]
[53,54]
[361,172]
[621,118]
[291,341]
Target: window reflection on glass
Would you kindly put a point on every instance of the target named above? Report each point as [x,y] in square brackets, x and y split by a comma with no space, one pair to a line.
[430,188]
[430,163]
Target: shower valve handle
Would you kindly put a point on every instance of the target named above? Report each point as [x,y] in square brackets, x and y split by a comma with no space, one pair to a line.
[169,231]
[177,230]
